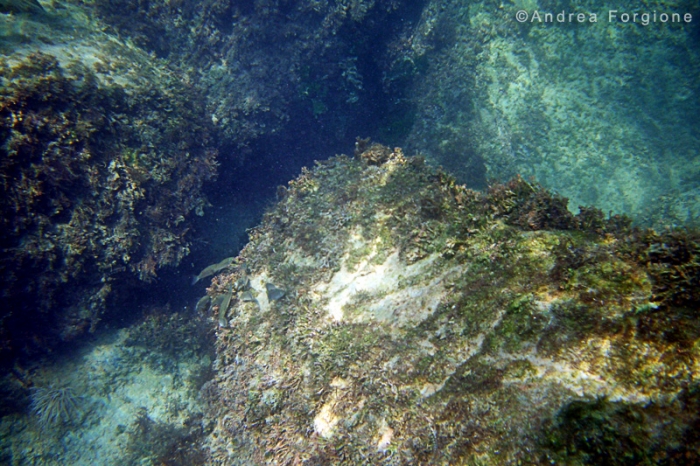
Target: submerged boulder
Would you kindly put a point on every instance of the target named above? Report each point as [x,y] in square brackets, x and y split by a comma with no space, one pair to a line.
[103,155]
[426,323]
[571,105]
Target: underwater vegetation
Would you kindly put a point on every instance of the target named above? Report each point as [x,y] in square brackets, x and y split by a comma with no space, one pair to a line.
[274,71]
[427,323]
[55,405]
[112,122]
[153,442]
[382,313]
[164,337]
[568,104]
[465,84]
[618,433]
[103,159]
[130,398]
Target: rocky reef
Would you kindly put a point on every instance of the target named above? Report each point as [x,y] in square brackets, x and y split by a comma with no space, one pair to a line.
[415,321]
[567,102]
[131,398]
[600,111]
[104,154]
[382,312]
[268,68]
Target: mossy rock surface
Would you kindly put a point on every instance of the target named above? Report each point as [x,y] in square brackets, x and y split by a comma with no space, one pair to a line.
[568,103]
[104,151]
[426,323]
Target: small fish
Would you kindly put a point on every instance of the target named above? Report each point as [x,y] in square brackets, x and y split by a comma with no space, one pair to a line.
[242,283]
[202,303]
[215,301]
[222,319]
[225,302]
[212,269]
[274,293]
[247,297]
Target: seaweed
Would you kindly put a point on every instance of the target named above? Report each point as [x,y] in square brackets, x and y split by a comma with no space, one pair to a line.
[165,337]
[433,323]
[673,261]
[97,186]
[162,443]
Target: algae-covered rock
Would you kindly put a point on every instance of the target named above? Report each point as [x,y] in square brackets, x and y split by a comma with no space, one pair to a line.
[426,323]
[270,68]
[597,108]
[594,99]
[104,151]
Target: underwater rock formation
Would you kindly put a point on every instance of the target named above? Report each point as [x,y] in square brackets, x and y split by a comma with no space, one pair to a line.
[104,153]
[427,323]
[275,69]
[600,112]
[566,102]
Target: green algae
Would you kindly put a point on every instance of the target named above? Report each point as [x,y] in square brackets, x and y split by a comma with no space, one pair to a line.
[602,431]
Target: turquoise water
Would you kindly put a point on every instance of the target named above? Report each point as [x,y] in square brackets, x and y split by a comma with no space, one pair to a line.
[142,141]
